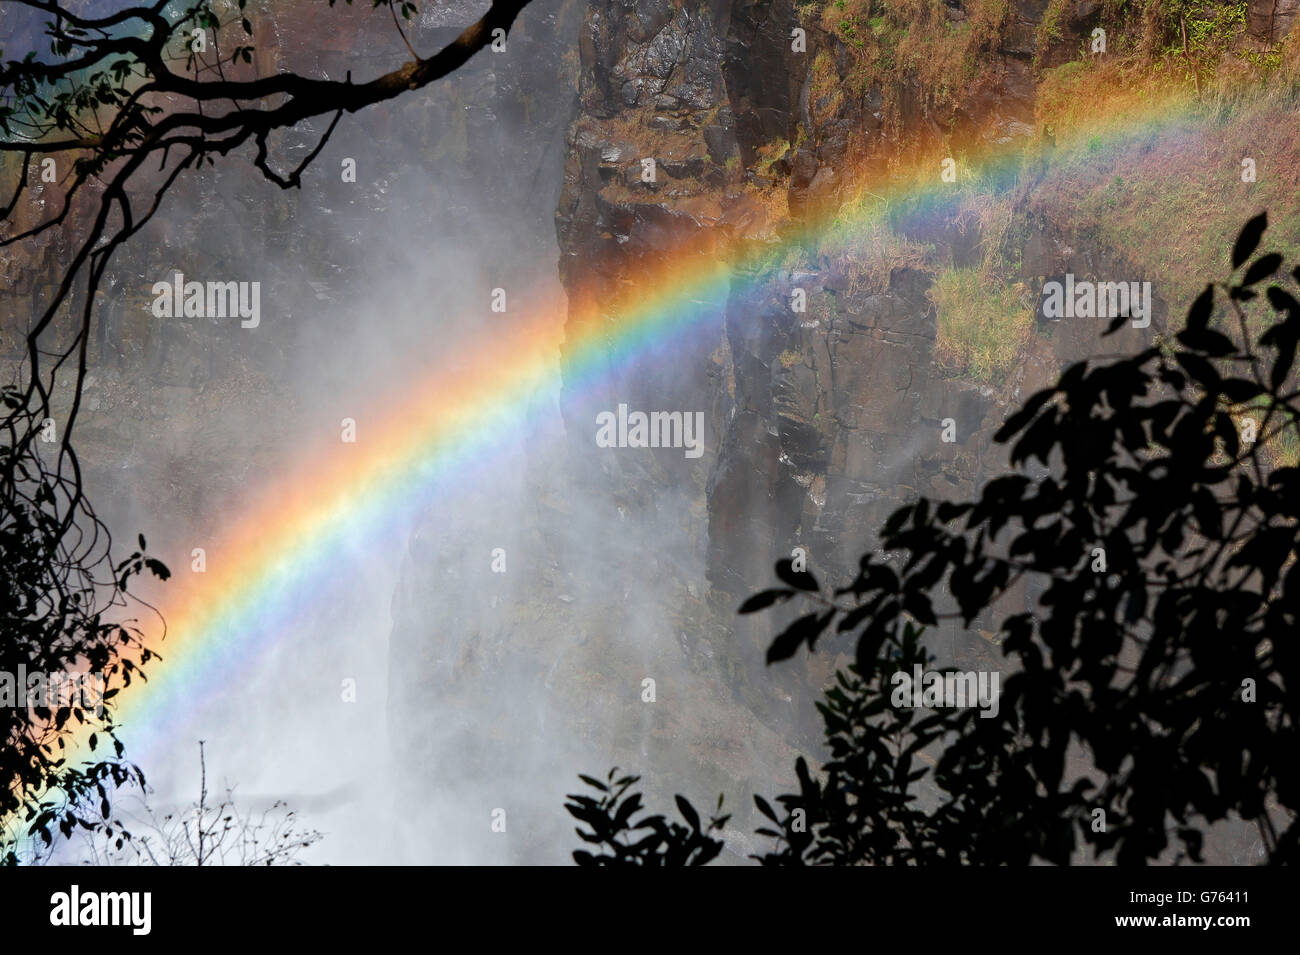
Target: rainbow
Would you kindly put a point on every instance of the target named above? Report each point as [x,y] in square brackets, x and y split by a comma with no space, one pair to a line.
[445,425]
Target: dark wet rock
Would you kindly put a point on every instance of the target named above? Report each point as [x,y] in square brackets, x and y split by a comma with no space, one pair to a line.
[1271,20]
[721,142]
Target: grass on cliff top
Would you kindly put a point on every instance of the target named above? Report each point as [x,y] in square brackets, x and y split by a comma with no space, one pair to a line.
[983,325]
[1145,66]
[870,249]
[1171,198]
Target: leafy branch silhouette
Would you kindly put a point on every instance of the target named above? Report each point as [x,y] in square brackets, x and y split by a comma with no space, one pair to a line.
[1148,667]
[613,826]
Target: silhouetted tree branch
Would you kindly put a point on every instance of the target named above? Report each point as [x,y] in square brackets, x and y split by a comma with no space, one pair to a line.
[124,103]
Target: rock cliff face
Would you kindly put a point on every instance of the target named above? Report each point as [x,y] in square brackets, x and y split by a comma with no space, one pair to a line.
[821,421]
[757,119]
[1271,20]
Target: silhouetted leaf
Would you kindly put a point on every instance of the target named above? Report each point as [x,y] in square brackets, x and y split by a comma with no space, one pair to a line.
[1208,341]
[688,812]
[1116,324]
[764,599]
[804,630]
[1248,239]
[1198,316]
[801,580]
[1262,268]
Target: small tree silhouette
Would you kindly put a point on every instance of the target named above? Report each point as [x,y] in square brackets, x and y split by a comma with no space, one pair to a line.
[220,833]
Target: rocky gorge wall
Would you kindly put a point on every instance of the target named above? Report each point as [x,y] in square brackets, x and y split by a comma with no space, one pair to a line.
[823,421]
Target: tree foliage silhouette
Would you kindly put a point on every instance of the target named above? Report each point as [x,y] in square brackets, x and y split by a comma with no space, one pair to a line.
[1153,504]
[649,840]
[59,599]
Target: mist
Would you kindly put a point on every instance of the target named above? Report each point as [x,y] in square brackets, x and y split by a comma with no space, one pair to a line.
[468,577]
[411,689]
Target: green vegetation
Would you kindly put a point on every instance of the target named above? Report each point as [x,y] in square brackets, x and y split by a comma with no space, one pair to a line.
[1171,210]
[982,324]
[1151,47]
[827,92]
[1210,27]
[915,40]
[1049,30]
[862,239]
[769,154]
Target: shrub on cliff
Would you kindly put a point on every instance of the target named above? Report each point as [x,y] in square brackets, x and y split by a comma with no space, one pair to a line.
[982,326]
